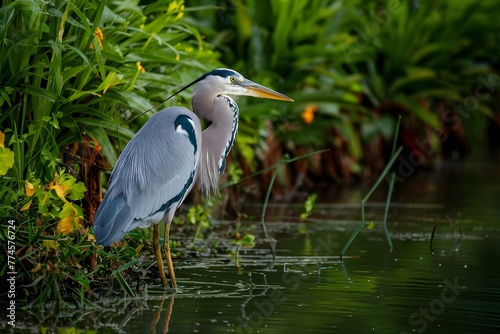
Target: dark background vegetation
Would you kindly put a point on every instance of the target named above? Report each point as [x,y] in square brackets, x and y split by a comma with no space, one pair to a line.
[73,73]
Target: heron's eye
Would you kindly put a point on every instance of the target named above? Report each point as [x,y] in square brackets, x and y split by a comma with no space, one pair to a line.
[232,79]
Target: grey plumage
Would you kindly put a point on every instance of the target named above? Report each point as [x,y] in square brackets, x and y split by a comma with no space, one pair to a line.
[168,155]
[147,184]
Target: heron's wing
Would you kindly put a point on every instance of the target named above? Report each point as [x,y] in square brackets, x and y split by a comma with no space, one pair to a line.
[153,175]
[113,219]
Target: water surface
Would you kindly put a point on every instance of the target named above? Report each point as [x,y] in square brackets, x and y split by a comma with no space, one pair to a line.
[307,289]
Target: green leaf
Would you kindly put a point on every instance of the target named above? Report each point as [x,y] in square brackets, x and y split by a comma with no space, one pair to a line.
[123,283]
[6,160]
[101,136]
[352,137]
[42,93]
[419,110]
[67,211]
[248,241]
[77,191]
[309,204]
[413,76]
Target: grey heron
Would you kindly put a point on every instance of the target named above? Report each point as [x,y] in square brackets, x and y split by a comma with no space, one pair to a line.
[169,155]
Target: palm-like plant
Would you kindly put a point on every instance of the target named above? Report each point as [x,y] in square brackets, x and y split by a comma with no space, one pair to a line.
[425,59]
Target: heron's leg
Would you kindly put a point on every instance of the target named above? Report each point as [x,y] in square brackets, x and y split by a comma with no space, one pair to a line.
[156,246]
[166,248]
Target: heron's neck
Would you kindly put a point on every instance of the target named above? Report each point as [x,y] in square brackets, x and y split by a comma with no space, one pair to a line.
[217,138]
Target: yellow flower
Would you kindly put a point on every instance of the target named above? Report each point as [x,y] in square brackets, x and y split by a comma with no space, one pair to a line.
[181,13]
[172,6]
[308,113]
[176,6]
[61,189]
[30,191]
[100,36]
[2,139]
[29,188]
[139,67]
[67,225]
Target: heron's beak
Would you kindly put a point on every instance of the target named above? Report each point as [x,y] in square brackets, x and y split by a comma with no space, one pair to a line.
[256,90]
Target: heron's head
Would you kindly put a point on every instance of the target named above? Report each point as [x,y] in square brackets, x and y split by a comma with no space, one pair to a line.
[229,82]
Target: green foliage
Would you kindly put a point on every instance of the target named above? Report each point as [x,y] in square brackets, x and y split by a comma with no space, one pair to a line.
[200,216]
[71,69]
[432,51]
[47,268]
[247,241]
[308,206]
[234,173]
[56,201]
[6,156]
[53,248]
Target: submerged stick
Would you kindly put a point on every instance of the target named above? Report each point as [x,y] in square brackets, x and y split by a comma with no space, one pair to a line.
[452,230]
[436,222]
[461,235]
